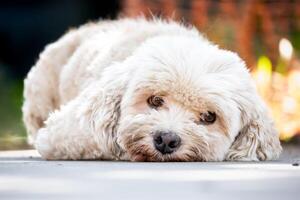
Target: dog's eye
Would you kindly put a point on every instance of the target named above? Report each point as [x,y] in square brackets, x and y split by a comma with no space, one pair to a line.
[208,117]
[155,101]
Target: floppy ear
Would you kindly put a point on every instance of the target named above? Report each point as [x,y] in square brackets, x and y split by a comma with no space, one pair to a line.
[102,107]
[258,139]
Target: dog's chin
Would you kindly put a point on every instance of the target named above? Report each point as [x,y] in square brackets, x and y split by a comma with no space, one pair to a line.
[139,149]
[142,153]
[143,158]
[147,154]
[169,158]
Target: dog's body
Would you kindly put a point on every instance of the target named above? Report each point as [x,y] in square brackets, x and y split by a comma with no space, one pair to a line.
[144,91]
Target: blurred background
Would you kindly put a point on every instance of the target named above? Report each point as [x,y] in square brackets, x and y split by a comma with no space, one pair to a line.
[265,33]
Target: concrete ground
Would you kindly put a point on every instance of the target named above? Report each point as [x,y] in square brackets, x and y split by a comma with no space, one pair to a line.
[24,175]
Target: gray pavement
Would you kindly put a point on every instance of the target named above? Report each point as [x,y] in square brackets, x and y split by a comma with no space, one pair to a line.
[24,175]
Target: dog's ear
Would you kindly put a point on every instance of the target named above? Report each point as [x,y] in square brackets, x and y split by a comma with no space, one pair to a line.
[103,100]
[105,109]
[258,138]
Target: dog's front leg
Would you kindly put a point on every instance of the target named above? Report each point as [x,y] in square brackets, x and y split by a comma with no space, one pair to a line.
[83,128]
[67,135]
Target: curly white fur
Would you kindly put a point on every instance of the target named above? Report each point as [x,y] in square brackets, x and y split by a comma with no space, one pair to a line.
[86,97]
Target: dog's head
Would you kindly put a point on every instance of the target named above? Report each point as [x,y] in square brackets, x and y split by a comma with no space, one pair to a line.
[188,100]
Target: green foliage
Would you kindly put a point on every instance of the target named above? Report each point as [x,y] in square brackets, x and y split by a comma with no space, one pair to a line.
[12,132]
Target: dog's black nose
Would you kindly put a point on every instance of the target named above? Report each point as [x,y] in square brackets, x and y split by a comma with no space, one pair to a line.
[166,142]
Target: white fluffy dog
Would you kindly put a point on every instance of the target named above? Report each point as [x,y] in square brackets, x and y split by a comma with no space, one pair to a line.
[143,90]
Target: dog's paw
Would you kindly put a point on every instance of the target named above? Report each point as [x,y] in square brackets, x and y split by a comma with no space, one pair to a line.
[43,145]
